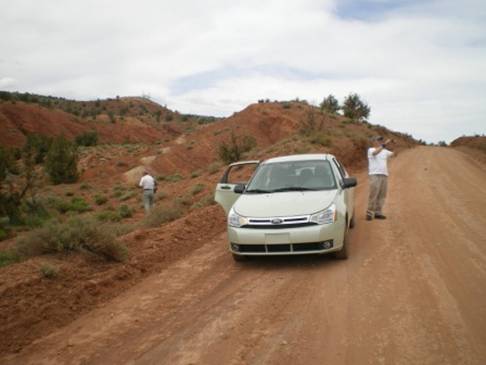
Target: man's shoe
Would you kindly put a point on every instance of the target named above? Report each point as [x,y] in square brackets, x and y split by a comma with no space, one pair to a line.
[369,217]
[380,216]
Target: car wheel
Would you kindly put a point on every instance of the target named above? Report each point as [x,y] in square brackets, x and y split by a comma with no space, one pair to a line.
[343,253]
[239,258]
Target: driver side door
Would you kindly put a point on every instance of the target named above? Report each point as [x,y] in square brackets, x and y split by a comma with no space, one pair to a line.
[238,173]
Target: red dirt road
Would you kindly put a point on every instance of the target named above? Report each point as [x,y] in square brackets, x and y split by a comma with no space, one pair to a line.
[412,292]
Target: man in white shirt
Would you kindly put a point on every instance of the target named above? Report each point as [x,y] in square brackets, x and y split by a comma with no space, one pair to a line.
[378,157]
[149,186]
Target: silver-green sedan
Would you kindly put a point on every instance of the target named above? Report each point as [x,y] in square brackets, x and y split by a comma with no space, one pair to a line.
[290,205]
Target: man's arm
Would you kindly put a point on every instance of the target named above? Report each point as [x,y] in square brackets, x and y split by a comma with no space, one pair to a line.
[379,149]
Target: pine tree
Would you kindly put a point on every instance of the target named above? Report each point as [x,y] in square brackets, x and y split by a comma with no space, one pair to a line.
[355,109]
[330,105]
[62,161]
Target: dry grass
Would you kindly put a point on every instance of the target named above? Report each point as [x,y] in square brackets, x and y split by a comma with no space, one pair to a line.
[74,235]
[162,214]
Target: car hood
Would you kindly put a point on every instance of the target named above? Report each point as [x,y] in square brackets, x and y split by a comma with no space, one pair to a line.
[284,204]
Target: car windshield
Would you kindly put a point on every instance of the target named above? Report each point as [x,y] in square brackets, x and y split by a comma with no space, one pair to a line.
[292,176]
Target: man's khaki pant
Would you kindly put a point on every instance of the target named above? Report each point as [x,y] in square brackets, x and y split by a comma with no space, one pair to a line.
[378,187]
[148,200]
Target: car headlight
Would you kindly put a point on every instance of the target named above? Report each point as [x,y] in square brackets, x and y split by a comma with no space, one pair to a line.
[236,220]
[326,216]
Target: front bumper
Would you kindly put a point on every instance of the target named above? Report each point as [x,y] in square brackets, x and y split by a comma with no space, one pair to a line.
[315,239]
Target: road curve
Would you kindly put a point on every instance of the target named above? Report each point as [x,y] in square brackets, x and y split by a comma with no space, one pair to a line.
[412,292]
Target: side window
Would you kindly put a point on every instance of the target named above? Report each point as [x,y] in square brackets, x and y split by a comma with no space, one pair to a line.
[239,174]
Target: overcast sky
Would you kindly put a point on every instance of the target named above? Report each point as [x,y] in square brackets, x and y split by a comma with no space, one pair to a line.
[421,65]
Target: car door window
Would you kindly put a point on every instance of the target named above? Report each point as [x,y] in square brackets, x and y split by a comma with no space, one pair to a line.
[239,174]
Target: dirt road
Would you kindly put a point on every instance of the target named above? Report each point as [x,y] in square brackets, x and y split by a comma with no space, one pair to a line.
[412,292]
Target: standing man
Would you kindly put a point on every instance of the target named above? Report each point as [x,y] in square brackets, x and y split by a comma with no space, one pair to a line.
[149,186]
[378,177]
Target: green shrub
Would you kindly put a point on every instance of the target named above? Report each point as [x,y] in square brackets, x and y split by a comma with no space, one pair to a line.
[162,214]
[195,174]
[204,202]
[233,150]
[125,211]
[8,257]
[35,213]
[184,200]
[126,196]
[85,186]
[197,188]
[61,161]
[74,235]
[355,109]
[77,204]
[173,178]
[100,199]
[214,167]
[320,139]
[3,234]
[37,145]
[89,138]
[49,271]
[108,216]
[330,105]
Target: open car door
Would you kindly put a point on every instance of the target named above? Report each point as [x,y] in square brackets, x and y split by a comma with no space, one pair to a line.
[238,173]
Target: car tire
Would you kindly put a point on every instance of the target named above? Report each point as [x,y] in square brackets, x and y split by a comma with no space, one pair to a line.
[239,258]
[343,253]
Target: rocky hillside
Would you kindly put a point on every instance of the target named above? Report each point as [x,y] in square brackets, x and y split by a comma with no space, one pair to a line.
[119,120]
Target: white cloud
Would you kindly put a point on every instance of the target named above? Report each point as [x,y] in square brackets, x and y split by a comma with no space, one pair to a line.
[6,82]
[422,67]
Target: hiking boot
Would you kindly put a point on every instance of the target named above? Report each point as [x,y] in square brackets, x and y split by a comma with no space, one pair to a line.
[380,216]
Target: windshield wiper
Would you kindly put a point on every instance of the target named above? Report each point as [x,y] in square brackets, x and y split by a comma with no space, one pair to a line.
[293,188]
[258,191]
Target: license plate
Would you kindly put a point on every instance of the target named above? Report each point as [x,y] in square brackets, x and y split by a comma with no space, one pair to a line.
[277,238]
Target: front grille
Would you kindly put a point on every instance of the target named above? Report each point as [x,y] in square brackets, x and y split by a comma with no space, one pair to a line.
[292,247]
[279,222]
[278,226]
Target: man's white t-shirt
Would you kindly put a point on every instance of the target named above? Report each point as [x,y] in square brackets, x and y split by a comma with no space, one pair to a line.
[147,182]
[377,165]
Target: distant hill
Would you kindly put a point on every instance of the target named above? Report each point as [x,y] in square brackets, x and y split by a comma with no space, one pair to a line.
[477,142]
[118,120]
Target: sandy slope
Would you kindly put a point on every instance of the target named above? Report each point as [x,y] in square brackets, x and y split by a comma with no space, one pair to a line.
[412,292]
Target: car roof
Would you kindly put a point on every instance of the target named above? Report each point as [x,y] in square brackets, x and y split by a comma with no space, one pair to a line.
[302,157]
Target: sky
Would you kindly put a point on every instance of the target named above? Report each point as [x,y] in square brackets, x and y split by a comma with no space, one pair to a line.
[419,64]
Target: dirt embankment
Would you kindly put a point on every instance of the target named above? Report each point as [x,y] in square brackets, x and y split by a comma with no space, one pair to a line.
[32,305]
[472,146]
[411,292]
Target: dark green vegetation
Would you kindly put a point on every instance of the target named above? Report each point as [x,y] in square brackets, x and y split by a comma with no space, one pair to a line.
[234,149]
[62,161]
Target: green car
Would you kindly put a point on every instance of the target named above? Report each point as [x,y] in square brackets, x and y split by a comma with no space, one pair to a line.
[290,205]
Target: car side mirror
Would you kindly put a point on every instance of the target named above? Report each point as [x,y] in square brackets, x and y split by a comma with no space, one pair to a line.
[239,188]
[349,182]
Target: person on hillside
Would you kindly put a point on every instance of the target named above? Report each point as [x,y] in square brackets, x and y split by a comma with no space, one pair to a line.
[149,186]
[378,156]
